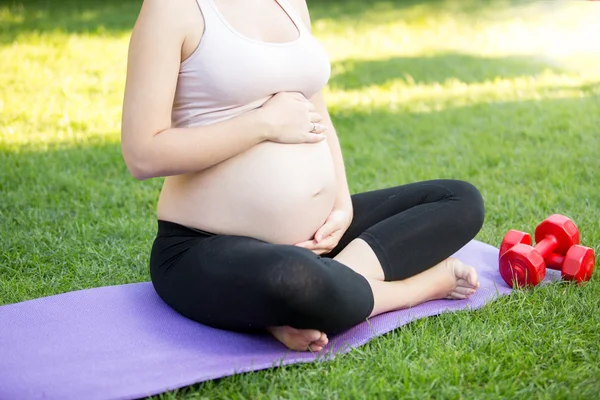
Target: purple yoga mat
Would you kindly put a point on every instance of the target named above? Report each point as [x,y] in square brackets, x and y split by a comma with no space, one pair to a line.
[123,342]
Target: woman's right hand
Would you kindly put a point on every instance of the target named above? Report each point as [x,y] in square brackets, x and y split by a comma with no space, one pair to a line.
[292,119]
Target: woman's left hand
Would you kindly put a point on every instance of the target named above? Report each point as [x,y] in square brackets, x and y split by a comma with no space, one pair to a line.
[328,236]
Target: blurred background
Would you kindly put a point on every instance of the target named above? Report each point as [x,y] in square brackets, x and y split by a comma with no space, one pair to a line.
[503,93]
[63,62]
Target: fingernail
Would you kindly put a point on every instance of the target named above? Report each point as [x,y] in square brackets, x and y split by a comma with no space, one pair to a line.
[318,238]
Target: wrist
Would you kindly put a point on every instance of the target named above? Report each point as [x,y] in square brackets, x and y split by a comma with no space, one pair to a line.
[263,126]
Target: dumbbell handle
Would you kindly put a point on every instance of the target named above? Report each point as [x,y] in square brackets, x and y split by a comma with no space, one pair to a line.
[554,261]
[546,246]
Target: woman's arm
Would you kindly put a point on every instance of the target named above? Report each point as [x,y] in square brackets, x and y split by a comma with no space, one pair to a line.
[150,147]
[343,192]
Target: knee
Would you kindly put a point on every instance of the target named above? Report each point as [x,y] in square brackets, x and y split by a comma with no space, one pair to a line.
[473,209]
[299,280]
[321,293]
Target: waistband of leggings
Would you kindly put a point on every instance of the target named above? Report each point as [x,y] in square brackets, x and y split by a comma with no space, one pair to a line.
[168,228]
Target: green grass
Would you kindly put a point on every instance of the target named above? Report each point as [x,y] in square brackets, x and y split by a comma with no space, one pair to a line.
[500,93]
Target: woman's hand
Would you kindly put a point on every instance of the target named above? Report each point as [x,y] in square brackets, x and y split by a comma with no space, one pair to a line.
[292,119]
[328,236]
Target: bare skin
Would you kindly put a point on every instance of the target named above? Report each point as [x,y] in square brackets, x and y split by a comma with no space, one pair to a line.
[300,339]
[202,162]
[450,279]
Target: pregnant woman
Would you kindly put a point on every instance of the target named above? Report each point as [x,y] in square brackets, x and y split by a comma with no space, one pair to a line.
[257,229]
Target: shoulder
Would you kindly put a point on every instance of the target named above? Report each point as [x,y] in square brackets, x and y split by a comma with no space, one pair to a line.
[169,16]
[167,8]
[301,9]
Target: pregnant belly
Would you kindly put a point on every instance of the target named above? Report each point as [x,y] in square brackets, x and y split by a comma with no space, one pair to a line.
[275,192]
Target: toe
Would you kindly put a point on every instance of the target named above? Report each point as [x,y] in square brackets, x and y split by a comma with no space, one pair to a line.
[467,291]
[322,341]
[315,348]
[463,283]
[310,335]
[468,278]
[297,339]
[456,296]
[473,279]
[466,284]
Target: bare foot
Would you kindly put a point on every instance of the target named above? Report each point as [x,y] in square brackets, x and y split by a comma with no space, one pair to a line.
[463,280]
[300,339]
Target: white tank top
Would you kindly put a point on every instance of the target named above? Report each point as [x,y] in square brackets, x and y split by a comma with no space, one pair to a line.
[229,74]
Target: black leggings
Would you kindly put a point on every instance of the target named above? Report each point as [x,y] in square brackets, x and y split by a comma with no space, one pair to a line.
[244,284]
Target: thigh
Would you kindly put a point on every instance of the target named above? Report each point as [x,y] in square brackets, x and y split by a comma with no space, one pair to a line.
[375,206]
[414,227]
[241,283]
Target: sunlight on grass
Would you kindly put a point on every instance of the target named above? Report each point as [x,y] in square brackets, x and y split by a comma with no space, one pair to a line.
[398,95]
[551,28]
[66,88]
[64,91]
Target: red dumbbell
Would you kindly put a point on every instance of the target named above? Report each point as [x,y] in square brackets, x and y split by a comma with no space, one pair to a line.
[577,262]
[557,247]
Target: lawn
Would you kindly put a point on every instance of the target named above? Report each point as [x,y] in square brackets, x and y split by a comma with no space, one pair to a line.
[504,94]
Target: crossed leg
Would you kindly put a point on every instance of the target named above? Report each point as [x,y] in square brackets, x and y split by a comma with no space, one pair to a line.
[448,278]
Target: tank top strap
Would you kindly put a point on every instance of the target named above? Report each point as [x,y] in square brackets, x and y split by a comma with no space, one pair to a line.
[209,13]
[293,14]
